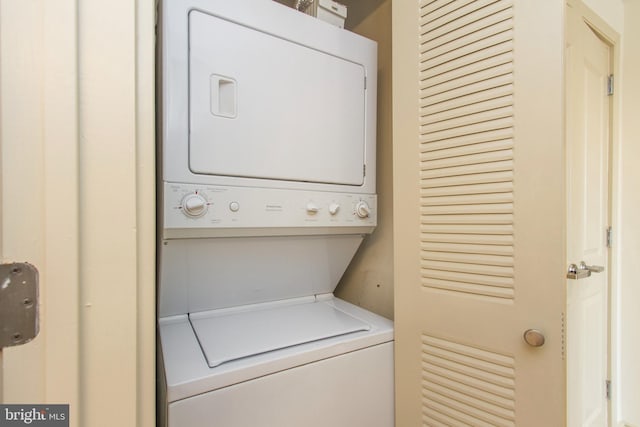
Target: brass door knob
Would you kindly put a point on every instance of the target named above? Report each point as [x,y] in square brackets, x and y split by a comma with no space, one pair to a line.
[534,337]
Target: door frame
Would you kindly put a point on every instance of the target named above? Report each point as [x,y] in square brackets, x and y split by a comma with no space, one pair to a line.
[611,37]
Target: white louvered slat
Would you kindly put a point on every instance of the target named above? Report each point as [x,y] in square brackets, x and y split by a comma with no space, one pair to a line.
[466,258]
[464,22]
[468,24]
[469,159]
[475,209]
[456,220]
[502,391]
[461,123]
[472,279]
[473,62]
[451,12]
[458,46]
[469,396]
[485,44]
[490,96]
[437,9]
[472,239]
[459,141]
[466,135]
[438,412]
[466,248]
[491,187]
[454,82]
[473,197]
[429,6]
[432,418]
[489,270]
[465,229]
[433,184]
[441,116]
[480,291]
[464,95]
[457,74]
[466,98]
[467,384]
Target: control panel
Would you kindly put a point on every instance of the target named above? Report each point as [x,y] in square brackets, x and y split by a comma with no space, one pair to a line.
[188,206]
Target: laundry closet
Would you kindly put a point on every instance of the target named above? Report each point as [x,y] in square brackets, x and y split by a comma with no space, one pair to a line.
[267,188]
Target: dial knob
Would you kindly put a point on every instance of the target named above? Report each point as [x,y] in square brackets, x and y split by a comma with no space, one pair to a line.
[334,208]
[362,209]
[312,208]
[194,205]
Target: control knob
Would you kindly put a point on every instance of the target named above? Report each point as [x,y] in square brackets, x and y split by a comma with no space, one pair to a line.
[362,209]
[194,205]
[312,208]
[334,208]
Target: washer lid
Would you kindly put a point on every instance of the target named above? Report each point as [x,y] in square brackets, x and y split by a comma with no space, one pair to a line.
[233,335]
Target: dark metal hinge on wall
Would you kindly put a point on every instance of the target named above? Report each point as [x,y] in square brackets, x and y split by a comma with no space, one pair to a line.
[18,303]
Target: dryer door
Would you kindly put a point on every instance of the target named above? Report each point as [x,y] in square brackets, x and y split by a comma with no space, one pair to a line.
[261,106]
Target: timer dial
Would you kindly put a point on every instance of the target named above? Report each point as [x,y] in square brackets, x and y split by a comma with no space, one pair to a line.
[312,208]
[194,205]
[362,209]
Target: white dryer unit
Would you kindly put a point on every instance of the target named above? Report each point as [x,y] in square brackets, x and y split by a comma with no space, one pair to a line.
[266,190]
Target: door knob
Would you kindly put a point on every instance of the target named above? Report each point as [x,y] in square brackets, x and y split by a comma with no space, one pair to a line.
[591,268]
[583,270]
[534,337]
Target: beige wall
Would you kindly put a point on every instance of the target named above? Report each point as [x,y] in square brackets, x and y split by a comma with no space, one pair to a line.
[368,281]
[612,11]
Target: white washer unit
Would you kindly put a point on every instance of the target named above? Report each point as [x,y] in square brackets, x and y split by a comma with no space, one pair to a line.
[267,188]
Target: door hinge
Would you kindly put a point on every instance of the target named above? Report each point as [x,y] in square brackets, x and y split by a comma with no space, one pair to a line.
[609,236]
[18,304]
[364,170]
[365,82]
[610,85]
[608,389]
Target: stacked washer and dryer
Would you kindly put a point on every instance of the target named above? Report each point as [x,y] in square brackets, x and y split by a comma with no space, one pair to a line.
[266,190]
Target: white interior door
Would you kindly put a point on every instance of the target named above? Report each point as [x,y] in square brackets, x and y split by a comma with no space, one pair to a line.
[77,201]
[588,147]
[479,212]
[38,198]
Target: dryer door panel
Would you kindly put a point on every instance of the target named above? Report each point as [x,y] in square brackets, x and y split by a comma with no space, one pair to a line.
[269,108]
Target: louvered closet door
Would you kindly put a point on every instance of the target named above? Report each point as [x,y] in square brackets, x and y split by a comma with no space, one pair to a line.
[479,218]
